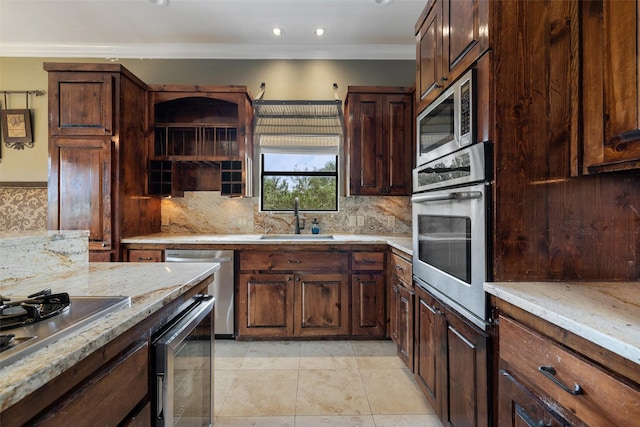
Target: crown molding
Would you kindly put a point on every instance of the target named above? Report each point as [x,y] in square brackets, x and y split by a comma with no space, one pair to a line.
[208,51]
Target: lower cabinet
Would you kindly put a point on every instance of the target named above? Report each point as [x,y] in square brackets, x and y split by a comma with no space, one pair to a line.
[306,293]
[288,304]
[542,382]
[401,307]
[145,255]
[451,364]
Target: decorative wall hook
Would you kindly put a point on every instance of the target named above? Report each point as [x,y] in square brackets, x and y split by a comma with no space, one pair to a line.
[16,124]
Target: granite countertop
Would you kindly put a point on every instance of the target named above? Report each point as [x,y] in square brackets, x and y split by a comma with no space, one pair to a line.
[605,313]
[150,286]
[401,242]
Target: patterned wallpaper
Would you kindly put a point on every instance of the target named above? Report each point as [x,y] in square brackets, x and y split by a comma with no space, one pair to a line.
[23,208]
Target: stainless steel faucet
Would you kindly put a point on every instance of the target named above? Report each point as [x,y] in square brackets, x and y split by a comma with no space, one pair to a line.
[296,208]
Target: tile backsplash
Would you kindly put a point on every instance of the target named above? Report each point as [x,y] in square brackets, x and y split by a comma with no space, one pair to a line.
[208,212]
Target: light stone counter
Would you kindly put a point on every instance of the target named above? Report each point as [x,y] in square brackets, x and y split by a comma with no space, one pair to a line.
[605,313]
[150,286]
[401,242]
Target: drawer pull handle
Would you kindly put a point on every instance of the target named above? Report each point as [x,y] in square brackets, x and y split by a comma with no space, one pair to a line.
[294,261]
[399,268]
[366,261]
[550,372]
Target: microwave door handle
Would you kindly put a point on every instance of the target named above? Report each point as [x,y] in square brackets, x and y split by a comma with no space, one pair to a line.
[458,195]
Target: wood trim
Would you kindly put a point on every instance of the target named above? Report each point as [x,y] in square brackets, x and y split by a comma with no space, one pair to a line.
[23,184]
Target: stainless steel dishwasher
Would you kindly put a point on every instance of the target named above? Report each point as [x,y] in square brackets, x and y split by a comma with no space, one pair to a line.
[221,288]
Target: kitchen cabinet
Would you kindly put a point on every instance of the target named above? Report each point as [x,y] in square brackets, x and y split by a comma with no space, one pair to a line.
[611,93]
[202,139]
[451,365]
[293,294]
[450,36]
[571,385]
[380,140]
[401,306]
[368,302]
[98,156]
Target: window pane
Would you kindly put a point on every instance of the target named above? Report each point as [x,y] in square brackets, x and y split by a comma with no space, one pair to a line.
[316,193]
[299,162]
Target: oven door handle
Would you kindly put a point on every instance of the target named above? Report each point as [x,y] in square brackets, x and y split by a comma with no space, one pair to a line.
[458,195]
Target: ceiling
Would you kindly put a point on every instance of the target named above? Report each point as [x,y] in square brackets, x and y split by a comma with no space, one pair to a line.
[218,29]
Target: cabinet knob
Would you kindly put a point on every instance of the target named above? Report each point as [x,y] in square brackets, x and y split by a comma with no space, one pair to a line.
[444,78]
[399,267]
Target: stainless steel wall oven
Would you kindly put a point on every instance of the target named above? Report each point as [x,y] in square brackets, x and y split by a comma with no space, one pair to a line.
[450,208]
[183,365]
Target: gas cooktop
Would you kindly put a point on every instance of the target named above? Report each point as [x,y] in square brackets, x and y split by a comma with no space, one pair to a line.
[29,323]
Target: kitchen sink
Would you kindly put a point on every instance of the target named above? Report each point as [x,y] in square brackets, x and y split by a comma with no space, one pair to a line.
[296,237]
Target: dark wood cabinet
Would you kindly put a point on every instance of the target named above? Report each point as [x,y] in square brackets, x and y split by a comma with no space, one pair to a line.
[144,255]
[98,156]
[265,303]
[293,294]
[380,135]
[611,93]
[401,307]
[203,139]
[570,384]
[368,301]
[451,35]
[451,363]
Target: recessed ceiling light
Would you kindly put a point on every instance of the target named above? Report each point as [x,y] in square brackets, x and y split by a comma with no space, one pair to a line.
[159,2]
[382,2]
[319,32]
[277,31]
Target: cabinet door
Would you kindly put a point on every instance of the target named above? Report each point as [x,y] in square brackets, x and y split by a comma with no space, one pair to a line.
[466,374]
[365,127]
[611,90]
[397,145]
[461,30]
[404,313]
[368,304]
[80,188]
[430,349]
[518,407]
[265,304]
[321,305]
[81,104]
[429,53]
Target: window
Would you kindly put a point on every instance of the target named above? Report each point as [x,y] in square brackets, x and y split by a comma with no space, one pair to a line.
[299,166]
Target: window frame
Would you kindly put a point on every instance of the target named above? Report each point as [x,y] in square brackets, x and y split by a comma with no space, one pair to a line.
[336,174]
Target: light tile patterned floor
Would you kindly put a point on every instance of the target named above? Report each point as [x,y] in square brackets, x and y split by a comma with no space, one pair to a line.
[316,383]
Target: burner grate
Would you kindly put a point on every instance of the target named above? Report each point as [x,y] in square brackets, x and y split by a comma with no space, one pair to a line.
[35,308]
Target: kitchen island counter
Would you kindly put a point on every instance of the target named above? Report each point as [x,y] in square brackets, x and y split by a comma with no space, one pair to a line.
[150,286]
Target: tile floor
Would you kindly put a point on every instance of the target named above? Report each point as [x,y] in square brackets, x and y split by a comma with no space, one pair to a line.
[316,383]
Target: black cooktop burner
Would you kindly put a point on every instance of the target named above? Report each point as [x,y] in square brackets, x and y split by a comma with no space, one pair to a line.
[36,307]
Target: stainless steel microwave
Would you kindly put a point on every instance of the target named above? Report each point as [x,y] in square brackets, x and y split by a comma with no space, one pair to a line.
[448,123]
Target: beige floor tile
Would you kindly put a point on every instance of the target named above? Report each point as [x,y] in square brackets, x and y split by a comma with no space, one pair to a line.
[272,355]
[335,421]
[323,355]
[331,392]
[256,393]
[376,355]
[394,391]
[407,421]
[229,354]
[222,383]
[255,421]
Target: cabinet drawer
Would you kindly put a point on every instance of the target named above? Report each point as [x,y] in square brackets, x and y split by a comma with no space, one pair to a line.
[367,261]
[603,399]
[402,269]
[293,261]
[145,255]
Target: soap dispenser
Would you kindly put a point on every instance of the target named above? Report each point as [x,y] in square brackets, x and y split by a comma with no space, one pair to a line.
[315,227]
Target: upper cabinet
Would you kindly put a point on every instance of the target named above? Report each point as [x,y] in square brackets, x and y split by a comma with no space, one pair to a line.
[380,135]
[451,35]
[611,88]
[202,139]
[98,156]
